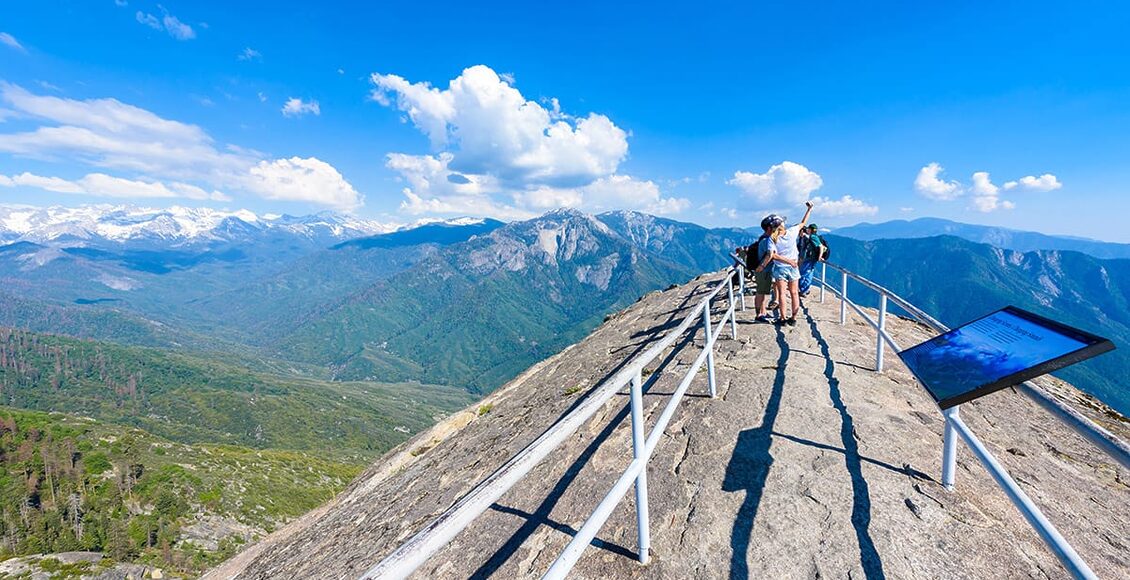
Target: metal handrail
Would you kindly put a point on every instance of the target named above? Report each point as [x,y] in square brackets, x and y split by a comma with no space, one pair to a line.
[440,531]
[1116,448]
[955,427]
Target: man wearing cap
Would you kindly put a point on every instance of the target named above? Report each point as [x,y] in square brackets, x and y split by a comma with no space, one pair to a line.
[811,252]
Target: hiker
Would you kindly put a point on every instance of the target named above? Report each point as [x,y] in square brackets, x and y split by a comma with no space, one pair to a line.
[786,271]
[762,251]
[811,249]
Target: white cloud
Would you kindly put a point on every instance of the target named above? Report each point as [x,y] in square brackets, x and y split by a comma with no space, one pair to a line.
[10,41]
[298,179]
[121,3]
[177,29]
[169,23]
[102,185]
[988,203]
[295,107]
[933,187]
[791,181]
[149,20]
[497,153]
[982,185]
[249,54]
[985,194]
[906,209]
[109,134]
[491,129]
[1045,182]
[845,206]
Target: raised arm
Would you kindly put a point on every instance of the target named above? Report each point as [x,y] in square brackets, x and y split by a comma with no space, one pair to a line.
[804,220]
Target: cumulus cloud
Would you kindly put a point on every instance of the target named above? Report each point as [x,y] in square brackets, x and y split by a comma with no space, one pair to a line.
[790,181]
[109,134]
[298,179]
[102,185]
[983,185]
[296,107]
[497,153]
[983,194]
[492,129]
[11,42]
[845,206]
[930,185]
[1045,182]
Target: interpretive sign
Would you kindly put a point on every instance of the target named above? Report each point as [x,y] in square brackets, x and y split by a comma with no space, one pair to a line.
[999,350]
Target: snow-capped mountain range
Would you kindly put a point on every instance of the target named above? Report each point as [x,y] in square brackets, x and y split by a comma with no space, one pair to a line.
[178,226]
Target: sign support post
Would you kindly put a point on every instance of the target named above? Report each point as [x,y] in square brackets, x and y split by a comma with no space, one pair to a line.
[949,447]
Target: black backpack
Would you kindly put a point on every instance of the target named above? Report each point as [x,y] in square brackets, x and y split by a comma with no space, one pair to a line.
[827,248]
[752,259]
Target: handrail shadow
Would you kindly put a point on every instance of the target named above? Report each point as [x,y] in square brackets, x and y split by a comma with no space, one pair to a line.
[861,496]
[749,466]
[540,515]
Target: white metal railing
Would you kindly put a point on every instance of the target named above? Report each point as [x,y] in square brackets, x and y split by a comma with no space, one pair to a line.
[440,531]
[955,427]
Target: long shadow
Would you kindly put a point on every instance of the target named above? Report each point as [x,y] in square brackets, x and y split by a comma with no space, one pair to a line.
[861,496]
[567,529]
[906,470]
[749,468]
[540,516]
[651,334]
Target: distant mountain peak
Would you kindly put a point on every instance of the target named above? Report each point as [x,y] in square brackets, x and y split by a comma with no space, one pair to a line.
[173,225]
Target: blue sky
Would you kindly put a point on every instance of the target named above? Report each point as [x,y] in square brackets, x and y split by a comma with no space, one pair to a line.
[711,113]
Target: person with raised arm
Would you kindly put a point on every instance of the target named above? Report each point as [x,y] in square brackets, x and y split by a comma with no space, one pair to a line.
[786,271]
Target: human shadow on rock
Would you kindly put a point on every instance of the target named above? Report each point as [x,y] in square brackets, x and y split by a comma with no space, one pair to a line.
[749,468]
[861,496]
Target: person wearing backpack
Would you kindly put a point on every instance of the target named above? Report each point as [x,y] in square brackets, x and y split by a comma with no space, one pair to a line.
[759,259]
[812,250]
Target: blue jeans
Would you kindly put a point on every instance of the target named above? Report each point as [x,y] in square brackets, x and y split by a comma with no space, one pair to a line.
[807,269]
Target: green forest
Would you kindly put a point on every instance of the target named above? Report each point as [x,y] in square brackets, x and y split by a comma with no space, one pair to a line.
[135,452]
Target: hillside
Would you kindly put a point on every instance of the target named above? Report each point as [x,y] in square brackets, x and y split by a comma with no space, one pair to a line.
[72,483]
[1005,238]
[807,463]
[957,281]
[537,285]
[195,400]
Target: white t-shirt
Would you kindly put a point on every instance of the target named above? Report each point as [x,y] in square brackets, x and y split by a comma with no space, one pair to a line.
[786,244]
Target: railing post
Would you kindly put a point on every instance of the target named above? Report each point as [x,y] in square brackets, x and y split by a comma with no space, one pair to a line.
[843,300]
[741,285]
[823,279]
[638,442]
[949,448]
[879,343]
[733,313]
[709,349]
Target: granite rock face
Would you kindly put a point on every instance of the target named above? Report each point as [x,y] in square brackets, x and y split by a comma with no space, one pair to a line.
[808,464]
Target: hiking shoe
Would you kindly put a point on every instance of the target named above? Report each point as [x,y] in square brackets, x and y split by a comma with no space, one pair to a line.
[791,321]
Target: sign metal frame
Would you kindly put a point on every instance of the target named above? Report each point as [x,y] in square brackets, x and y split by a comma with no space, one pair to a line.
[1094,346]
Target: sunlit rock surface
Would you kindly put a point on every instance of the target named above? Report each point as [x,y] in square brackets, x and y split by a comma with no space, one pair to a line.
[808,464]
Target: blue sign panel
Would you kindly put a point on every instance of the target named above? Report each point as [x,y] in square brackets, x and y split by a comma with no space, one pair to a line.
[997,351]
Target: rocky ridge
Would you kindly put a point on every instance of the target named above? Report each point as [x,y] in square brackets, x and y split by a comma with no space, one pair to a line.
[808,464]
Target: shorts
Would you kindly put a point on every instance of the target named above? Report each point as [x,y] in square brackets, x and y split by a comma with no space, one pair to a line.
[785,272]
[763,282]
